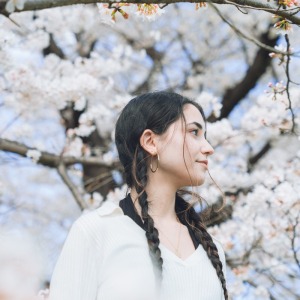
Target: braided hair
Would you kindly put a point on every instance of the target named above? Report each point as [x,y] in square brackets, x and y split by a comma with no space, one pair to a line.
[157,111]
[187,214]
[140,174]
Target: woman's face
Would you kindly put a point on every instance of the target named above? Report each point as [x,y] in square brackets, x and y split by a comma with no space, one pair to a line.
[183,150]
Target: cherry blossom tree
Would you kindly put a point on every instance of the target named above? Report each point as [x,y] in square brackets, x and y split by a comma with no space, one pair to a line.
[67,71]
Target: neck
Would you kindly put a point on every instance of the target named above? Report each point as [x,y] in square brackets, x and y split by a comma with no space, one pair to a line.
[161,197]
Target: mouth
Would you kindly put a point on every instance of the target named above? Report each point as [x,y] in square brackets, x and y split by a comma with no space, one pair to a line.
[203,162]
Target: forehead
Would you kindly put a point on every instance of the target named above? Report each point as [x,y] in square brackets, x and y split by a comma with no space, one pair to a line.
[192,114]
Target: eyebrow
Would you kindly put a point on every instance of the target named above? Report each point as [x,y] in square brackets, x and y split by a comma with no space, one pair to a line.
[199,126]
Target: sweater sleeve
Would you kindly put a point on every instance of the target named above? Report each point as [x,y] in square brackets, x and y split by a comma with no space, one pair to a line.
[76,273]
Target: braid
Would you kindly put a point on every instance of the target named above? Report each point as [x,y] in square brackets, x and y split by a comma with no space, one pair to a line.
[187,213]
[140,176]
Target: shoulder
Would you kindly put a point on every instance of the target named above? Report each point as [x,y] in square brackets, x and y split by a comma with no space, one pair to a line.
[107,209]
[92,223]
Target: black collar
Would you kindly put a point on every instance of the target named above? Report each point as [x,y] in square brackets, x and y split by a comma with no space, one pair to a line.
[129,210]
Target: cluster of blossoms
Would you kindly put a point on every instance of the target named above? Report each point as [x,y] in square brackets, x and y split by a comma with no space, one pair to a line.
[282,24]
[34,155]
[118,7]
[12,5]
[288,3]
[281,56]
[276,89]
[210,103]
[146,11]
[200,4]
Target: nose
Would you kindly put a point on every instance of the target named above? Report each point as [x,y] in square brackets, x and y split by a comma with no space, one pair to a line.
[207,148]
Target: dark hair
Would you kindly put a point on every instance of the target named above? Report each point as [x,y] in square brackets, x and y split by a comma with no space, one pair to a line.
[157,111]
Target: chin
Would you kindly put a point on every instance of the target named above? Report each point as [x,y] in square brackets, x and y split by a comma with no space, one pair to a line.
[196,181]
[199,183]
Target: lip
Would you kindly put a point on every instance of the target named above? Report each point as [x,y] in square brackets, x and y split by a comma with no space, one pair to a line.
[203,162]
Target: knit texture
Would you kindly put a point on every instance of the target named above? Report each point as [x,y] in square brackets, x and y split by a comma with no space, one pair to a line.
[106,257]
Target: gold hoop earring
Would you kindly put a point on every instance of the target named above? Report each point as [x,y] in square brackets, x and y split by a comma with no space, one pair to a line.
[151,164]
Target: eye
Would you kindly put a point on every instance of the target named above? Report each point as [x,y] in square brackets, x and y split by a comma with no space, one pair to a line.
[195,132]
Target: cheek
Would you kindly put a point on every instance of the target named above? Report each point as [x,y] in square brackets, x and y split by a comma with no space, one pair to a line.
[173,155]
[190,149]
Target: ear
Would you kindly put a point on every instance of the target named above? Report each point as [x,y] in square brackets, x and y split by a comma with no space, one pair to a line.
[148,141]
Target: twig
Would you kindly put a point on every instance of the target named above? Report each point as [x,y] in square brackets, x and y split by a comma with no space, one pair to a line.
[94,183]
[293,241]
[249,38]
[10,123]
[163,5]
[239,8]
[287,72]
[61,169]
[272,10]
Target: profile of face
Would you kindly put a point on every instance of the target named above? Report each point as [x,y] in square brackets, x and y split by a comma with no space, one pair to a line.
[183,149]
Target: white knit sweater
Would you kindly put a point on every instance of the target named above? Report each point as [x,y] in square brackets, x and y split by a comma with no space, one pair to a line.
[106,257]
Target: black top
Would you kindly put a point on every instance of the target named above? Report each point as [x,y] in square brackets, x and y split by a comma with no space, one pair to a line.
[129,210]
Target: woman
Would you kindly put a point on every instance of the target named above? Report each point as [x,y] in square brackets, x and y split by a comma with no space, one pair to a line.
[153,245]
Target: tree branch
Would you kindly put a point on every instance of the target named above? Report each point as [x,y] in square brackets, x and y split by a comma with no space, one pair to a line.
[247,37]
[216,217]
[287,72]
[234,95]
[52,160]
[255,4]
[254,159]
[293,241]
[53,48]
[61,169]
[10,123]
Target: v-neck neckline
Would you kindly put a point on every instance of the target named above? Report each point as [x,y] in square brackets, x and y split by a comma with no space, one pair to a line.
[185,261]
[129,210]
